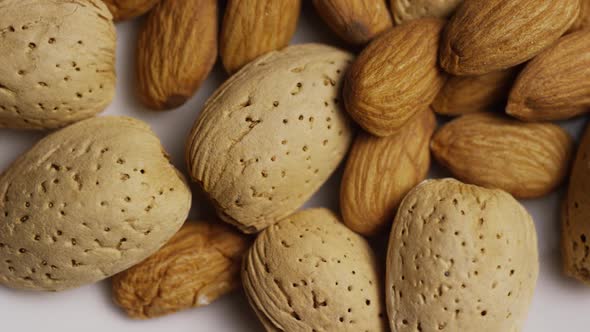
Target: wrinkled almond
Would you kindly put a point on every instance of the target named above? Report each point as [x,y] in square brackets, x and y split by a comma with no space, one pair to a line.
[525,159]
[355,21]
[176,50]
[197,266]
[556,84]
[252,28]
[395,77]
[381,170]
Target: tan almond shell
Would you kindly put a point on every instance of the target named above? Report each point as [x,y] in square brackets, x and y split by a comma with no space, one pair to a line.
[311,273]
[57,64]
[525,159]
[460,258]
[271,135]
[176,50]
[575,228]
[355,21]
[128,9]
[405,10]
[87,202]
[395,77]
[381,170]
[490,35]
[471,94]
[583,21]
[200,264]
[252,28]
[556,84]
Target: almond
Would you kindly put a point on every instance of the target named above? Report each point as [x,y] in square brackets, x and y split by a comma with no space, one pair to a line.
[395,77]
[271,135]
[128,9]
[176,50]
[87,202]
[405,10]
[556,84]
[490,35]
[252,28]
[381,170]
[575,229]
[355,21]
[311,273]
[525,159]
[57,63]
[460,258]
[197,266]
[470,94]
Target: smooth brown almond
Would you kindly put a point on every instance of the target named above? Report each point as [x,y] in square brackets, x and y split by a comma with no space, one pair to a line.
[176,50]
[381,170]
[355,21]
[490,35]
[525,159]
[197,266]
[556,84]
[252,28]
[395,77]
[128,9]
[470,94]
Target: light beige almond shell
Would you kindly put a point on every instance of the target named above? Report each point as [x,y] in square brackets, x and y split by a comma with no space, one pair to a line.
[460,258]
[395,77]
[311,273]
[57,64]
[252,28]
[583,21]
[355,21]
[129,9]
[556,84]
[490,35]
[470,94]
[575,219]
[85,203]
[271,135]
[176,50]
[405,10]
[381,170]
[200,264]
[525,159]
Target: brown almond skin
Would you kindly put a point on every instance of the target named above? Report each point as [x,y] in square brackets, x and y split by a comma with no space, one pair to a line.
[395,77]
[556,84]
[176,50]
[355,21]
[470,94]
[381,170]
[197,266]
[490,35]
[583,20]
[128,9]
[525,159]
[575,228]
[252,28]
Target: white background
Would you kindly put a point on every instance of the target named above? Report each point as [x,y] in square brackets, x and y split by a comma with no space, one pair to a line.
[559,304]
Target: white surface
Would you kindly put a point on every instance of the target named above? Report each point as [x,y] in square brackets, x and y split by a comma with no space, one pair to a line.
[559,303]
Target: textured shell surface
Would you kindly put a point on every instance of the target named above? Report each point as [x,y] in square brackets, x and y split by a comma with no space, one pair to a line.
[57,64]
[271,135]
[460,258]
[311,273]
[87,202]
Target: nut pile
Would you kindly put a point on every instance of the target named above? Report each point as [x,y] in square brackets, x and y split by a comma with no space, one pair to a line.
[99,198]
